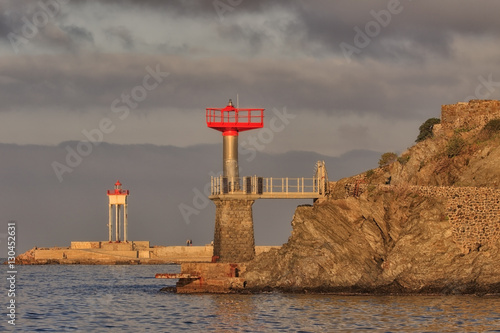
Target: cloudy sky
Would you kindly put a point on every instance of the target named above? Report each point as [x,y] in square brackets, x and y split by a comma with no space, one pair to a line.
[337,76]
[63,65]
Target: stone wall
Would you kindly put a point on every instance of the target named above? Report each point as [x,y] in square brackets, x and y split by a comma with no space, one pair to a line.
[234,236]
[111,246]
[82,255]
[467,116]
[473,212]
[85,245]
[129,246]
[183,252]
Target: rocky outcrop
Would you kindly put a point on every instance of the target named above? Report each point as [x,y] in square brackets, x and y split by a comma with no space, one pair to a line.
[26,258]
[475,164]
[426,223]
[427,164]
[385,241]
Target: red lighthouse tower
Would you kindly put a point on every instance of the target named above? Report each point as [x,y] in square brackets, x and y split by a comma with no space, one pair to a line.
[230,121]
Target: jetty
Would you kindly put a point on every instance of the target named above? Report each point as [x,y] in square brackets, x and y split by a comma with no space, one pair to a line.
[123,253]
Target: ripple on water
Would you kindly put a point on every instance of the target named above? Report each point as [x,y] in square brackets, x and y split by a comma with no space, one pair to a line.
[127,299]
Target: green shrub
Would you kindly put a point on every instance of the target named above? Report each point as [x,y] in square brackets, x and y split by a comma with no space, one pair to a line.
[461,130]
[491,128]
[403,159]
[387,158]
[493,125]
[369,173]
[455,146]
[426,129]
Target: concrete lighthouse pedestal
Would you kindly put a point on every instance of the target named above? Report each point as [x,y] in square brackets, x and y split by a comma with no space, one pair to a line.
[234,235]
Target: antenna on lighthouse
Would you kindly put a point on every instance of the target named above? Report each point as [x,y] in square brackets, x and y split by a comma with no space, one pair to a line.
[237,101]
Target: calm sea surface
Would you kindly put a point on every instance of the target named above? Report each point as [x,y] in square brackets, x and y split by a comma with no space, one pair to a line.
[127,299]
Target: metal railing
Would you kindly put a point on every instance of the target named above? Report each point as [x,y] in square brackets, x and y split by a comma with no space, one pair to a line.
[267,186]
[238,116]
[260,187]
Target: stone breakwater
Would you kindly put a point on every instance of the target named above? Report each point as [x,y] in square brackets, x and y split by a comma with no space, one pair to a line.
[474,212]
[131,253]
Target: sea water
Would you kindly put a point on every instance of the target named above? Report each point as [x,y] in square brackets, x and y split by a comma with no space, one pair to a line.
[83,298]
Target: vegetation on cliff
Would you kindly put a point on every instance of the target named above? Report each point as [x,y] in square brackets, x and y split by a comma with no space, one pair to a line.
[387,158]
[426,129]
[462,157]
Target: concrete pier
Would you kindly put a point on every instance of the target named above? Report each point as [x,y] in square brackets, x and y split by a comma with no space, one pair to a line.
[132,252]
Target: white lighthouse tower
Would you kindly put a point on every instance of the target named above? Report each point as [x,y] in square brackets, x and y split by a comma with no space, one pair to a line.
[118,200]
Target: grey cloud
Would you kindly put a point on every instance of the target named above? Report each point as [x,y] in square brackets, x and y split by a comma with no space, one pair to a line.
[426,26]
[194,8]
[5,27]
[123,35]
[41,23]
[71,39]
[235,32]
[95,81]
[408,70]
[78,33]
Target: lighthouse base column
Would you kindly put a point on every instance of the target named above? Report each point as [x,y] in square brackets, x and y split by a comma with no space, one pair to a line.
[234,236]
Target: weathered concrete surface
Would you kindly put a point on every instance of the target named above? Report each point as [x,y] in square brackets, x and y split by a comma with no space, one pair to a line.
[383,242]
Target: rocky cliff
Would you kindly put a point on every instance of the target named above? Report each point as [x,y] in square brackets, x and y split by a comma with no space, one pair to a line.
[462,151]
[399,238]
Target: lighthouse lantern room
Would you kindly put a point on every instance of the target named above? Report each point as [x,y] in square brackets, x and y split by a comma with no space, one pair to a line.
[230,121]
